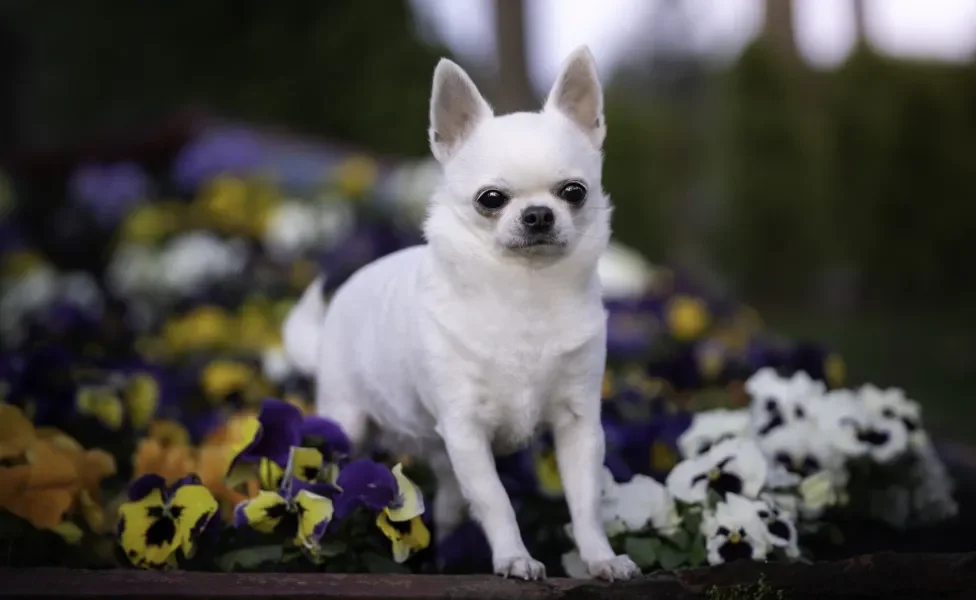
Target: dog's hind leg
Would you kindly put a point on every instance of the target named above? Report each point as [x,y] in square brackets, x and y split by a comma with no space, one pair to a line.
[449,504]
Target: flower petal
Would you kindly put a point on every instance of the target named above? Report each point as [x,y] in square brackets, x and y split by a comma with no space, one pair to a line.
[315,514]
[683,481]
[364,481]
[16,432]
[259,512]
[195,506]
[141,399]
[136,518]
[326,435]
[305,464]
[409,502]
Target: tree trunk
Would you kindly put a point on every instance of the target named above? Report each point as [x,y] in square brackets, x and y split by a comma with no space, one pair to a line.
[778,28]
[860,24]
[514,90]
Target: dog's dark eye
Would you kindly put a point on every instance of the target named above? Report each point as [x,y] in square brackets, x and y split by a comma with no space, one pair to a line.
[491,199]
[573,193]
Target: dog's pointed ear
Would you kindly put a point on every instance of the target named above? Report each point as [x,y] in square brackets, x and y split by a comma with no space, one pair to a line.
[456,109]
[578,95]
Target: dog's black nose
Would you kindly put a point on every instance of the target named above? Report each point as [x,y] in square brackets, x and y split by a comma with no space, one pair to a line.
[538,219]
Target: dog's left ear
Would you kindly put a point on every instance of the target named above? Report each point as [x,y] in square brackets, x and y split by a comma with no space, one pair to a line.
[578,95]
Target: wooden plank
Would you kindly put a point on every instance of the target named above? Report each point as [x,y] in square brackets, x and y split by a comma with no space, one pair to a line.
[885,575]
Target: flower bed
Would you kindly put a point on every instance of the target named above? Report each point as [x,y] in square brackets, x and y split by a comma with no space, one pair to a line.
[151,419]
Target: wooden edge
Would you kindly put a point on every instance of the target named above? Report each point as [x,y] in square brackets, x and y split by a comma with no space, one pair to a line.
[884,575]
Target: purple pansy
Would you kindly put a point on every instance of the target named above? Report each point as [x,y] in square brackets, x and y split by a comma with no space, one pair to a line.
[364,482]
[281,428]
[109,191]
[232,151]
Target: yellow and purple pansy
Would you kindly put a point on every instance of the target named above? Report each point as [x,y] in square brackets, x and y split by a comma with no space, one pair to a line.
[267,440]
[159,525]
[293,510]
[396,499]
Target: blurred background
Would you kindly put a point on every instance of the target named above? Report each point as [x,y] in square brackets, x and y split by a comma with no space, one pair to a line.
[815,159]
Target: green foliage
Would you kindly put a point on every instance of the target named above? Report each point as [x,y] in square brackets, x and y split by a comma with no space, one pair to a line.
[870,166]
[339,68]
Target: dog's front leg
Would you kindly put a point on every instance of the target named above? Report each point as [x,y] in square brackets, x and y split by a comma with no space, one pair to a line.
[580,449]
[471,457]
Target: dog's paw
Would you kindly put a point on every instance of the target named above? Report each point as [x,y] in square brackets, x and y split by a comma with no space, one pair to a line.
[523,567]
[617,568]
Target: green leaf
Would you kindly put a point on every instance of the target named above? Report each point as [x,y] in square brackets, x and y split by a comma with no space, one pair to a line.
[692,522]
[713,497]
[250,558]
[671,558]
[332,548]
[377,563]
[643,551]
[698,553]
[681,539]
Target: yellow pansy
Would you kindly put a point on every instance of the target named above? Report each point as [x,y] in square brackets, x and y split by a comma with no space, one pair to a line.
[687,317]
[159,521]
[102,403]
[402,523]
[303,517]
[141,399]
[356,176]
[151,222]
[547,473]
[835,370]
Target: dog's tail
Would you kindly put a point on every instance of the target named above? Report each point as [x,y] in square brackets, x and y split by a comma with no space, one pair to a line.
[300,332]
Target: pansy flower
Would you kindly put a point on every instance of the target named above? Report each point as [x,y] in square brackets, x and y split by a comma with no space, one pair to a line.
[632,506]
[855,430]
[890,407]
[264,445]
[735,466]
[161,524]
[779,526]
[292,511]
[712,427]
[391,494]
[778,400]
[734,531]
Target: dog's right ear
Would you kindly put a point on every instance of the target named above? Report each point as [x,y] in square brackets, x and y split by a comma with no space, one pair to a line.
[456,109]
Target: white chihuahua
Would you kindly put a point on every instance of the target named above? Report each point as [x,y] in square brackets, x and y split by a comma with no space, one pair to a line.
[465,345]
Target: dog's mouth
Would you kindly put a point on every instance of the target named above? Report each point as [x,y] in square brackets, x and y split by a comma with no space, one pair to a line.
[537,241]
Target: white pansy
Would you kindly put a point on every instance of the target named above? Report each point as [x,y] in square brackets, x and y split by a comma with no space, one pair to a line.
[780,528]
[24,295]
[81,289]
[198,257]
[733,466]
[634,505]
[817,493]
[275,365]
[624,273]
[296,227]
[134,269]
[787,504]
[854,429]
[777,400]
[890,406]
[574,566]
[801,449]
[711,427]
[410,187]
[734,531]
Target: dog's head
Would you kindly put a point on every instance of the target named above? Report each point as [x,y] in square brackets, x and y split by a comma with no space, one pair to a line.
[524,186]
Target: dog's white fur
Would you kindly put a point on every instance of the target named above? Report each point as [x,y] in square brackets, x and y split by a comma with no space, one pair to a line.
[465,345]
